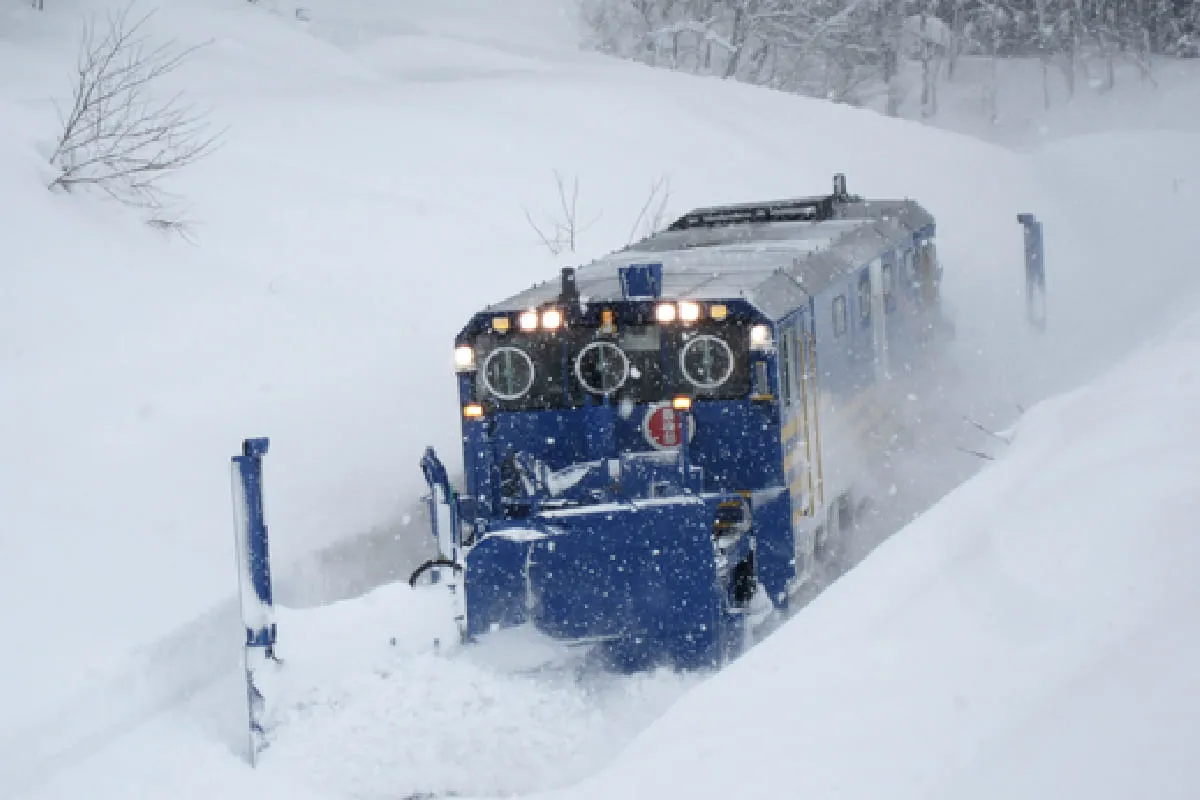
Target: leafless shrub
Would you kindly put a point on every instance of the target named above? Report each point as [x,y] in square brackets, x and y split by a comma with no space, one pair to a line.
[561,234]
[117,136]
[650,218]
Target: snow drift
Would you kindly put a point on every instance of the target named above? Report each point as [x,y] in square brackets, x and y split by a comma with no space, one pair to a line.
[1029,636]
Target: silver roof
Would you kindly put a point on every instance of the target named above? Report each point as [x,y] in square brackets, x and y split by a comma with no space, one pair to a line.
[774,265]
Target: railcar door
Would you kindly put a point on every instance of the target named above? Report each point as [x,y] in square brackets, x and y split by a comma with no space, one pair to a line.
[810,420]
[802,436]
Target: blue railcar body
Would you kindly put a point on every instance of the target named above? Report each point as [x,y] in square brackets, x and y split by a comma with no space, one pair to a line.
[668,437]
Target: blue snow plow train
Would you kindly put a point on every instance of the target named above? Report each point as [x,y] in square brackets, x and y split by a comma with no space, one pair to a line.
[671,435]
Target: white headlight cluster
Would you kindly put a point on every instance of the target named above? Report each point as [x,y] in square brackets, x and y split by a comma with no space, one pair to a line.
[464,358]
[760,337]
[687,311]
[550,319]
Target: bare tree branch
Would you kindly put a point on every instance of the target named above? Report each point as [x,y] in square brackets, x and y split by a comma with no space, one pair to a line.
[650,218]
[562,233]
[173,224]
[117,136]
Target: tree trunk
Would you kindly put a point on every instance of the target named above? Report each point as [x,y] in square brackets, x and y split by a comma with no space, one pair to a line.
[737,39]
[1045,81]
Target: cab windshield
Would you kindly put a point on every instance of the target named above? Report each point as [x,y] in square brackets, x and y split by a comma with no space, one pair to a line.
[642,364]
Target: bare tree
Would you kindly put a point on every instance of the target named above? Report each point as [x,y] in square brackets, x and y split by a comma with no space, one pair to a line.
[650,219]
[117,135]
[562,233]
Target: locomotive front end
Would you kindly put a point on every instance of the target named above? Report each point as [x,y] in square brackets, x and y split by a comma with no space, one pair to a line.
[619,454]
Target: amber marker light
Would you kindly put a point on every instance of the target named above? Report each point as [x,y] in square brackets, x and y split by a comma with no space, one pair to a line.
[718,311]
[608,321]
[681,403]
[500,324]
[473,411]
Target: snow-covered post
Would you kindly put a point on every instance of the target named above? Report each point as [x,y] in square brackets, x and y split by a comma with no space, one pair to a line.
[254,582]
[1035,271]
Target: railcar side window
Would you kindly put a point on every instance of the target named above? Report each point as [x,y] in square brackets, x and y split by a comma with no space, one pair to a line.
[839,315]
[927,273]
[864,299]
[889,298]
[785,366]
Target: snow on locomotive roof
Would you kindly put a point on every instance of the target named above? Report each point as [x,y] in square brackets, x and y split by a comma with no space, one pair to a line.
[774,254]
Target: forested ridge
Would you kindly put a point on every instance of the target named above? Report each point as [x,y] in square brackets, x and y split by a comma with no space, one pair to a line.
[855,51]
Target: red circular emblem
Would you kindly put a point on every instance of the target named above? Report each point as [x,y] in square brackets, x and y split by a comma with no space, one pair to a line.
[663,426]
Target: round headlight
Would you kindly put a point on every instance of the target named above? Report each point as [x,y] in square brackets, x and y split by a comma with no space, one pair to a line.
[464,357]
[528,320]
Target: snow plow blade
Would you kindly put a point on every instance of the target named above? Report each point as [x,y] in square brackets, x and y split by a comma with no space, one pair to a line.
[638,579]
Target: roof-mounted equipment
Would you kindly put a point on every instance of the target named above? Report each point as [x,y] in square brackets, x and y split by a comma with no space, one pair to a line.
[802,209]
[840,195]
[641,281]
[570,289]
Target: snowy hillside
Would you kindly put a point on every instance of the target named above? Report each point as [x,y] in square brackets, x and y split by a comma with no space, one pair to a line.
[370,194]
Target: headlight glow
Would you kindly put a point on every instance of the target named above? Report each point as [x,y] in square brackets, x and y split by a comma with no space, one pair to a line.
[665,312]
[528,320]
[760,335]
[464,357]
[689,311]
[551,319]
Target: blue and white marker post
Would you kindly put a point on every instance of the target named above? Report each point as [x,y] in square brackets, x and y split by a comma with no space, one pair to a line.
[254,583]
[1035,271]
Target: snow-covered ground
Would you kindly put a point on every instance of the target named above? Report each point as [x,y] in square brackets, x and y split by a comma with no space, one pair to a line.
[371,193]
[1028,118]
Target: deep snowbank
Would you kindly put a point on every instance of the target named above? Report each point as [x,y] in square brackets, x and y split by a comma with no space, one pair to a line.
[1027,637]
